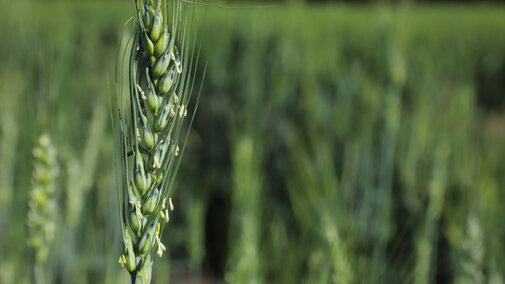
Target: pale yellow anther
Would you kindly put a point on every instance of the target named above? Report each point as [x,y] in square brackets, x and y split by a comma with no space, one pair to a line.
[122,260]
[136,203]
[157,162]
[138,134]
[137,206]
[172,110]
[181,111]
[171,204]
[161,247]
[164,203]
[177,63]
[142,93]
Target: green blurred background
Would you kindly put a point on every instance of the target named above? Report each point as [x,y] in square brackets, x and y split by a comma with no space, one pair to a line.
[334,143]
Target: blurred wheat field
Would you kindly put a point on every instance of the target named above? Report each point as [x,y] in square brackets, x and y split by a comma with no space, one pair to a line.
[333,144]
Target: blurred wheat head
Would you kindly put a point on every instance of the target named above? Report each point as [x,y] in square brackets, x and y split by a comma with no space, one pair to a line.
[43,205]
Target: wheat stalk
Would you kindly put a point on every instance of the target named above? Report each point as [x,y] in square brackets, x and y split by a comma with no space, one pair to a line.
[43,206]
[150,122]
[427,243]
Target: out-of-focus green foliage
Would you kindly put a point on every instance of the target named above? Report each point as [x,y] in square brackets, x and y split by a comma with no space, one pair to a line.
[332,144]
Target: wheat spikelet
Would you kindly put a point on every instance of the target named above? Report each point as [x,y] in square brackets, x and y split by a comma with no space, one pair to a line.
[150,121]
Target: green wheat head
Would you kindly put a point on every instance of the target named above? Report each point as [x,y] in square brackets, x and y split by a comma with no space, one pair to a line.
[160,78]
[43,205]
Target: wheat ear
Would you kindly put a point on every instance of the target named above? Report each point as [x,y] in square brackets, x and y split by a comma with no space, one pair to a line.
[150,121]
[43,206]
